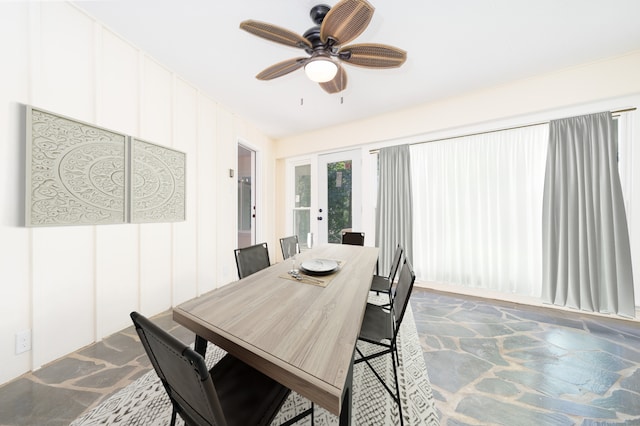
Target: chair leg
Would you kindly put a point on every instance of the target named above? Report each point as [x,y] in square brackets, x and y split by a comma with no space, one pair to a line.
[395,375]
[395,349]
[174,414]
[395,397]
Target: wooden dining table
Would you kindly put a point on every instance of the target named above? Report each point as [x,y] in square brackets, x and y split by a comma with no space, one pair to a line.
[300,333]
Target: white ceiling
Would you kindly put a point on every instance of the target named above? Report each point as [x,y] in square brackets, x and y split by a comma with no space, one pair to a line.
[454,46]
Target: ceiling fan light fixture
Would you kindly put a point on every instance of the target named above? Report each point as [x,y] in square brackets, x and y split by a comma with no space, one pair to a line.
[321,70]
[325,45]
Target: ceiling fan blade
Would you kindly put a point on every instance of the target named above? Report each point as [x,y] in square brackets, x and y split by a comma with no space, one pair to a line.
[275,33]
[338,84]
[281,68]
[372,55]
[346,21]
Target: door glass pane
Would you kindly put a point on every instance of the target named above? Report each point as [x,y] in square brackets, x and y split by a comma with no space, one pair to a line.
[339,199]
[303,186]
[301,223]
[302,211]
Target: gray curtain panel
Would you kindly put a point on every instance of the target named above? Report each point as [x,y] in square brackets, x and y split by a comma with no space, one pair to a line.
[394,215]
[586,252]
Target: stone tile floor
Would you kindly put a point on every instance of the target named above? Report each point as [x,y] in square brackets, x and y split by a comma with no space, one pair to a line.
[506,364]
[489,363]
[61,391]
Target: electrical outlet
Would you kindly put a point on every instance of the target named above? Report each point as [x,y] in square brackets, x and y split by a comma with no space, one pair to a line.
[23,341]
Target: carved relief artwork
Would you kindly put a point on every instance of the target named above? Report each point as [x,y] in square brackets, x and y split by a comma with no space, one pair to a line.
[77,173]
[80,174]
[157,183]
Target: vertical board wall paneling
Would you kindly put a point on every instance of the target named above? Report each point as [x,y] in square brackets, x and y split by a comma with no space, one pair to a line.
[226,148]
[63,258]
[66,83]
[117,256]
[205,191]
[155,238]
[74,285]
[63,291]
[185,138]
[15,291]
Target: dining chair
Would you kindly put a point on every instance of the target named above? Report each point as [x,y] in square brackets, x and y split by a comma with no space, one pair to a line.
[382,284]
[252,259]
[380,328]
[231,393]
[289,246]
[353,238]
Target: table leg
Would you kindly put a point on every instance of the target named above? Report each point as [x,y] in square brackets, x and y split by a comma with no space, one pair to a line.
[345,409]
[200,346]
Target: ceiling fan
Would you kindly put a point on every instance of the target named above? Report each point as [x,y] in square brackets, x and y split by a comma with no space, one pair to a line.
[325,45]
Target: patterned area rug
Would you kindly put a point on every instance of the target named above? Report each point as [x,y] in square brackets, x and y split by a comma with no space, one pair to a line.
[145,402]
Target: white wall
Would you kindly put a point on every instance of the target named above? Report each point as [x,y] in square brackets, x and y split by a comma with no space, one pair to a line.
[606,79]
[604,85]
[74,285]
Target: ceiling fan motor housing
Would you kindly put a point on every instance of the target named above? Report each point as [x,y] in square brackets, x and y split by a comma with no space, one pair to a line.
[313,35]
[318,13]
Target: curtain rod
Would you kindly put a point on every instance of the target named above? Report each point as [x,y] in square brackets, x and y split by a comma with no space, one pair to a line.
[615,113]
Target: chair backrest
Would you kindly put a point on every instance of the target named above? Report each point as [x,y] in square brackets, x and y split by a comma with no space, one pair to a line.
[183,373]
[403,292]
[395,263]
[289,246]
[353,238]
[252,259]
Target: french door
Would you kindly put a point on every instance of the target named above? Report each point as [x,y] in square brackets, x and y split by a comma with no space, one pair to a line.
[339,195]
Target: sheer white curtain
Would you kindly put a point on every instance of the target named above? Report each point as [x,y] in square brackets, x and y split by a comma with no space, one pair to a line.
[478,210]
[629,178]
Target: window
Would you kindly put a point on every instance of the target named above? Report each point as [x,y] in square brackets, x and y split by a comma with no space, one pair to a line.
[478,210]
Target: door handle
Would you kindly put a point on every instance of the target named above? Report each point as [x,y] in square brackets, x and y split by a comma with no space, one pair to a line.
[319,217]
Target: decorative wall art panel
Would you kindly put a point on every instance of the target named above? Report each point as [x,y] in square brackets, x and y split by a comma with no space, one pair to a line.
[157,183]
[75,172]
[80,174]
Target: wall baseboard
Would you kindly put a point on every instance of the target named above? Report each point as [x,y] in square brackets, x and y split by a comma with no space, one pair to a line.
[515,299]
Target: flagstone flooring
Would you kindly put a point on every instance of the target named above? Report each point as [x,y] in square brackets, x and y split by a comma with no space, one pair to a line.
[505,364]
[490,363]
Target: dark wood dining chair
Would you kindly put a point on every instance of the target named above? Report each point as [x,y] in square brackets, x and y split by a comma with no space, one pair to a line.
[380,328]
[231,393]
[353,238]
[289,246]
[382,284]
[252,259]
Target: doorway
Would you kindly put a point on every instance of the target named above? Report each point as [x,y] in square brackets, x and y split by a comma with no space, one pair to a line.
[246,196]
[339,195]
